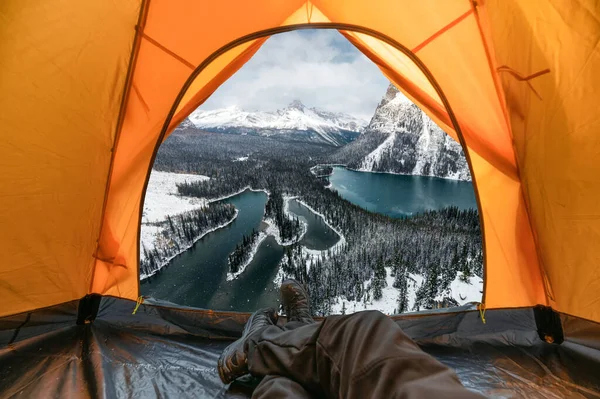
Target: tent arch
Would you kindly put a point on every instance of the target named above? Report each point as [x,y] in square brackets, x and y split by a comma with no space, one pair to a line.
[510,251]
[89,86]
[266,33]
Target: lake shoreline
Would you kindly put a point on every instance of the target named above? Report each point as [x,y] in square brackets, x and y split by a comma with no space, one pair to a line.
[166,262]
[386,173]
[313,252]
[248,188]
[271,230]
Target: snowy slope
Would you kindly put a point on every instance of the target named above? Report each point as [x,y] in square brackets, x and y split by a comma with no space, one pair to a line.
[401,138]
[317,125]
[374,157]
[462,292]
[162,200]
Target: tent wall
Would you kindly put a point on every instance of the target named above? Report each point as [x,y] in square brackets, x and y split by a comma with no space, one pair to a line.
[556,136]
[71,195]
[63,67]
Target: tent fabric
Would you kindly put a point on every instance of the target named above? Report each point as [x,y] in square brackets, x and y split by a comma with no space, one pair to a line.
[91,88]
[172,352]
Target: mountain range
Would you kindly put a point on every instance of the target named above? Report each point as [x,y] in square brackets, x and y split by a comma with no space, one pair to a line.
[295,122]
[402,139]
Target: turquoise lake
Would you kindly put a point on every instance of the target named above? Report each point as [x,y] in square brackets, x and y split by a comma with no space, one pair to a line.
[401,195]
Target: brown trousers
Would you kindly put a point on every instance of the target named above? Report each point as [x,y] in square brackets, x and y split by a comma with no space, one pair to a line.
[359,356]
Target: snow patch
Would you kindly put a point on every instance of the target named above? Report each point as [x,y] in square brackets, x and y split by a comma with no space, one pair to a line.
[389,300]
[162,198]
[236,193]
[463,292]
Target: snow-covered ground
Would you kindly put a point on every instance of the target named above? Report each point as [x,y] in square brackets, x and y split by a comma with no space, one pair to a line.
[162,198]
[388,302]
[464,292]
[261,237]
[236,193]
[460,291]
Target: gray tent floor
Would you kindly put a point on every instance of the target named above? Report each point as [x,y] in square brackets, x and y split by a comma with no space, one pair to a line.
[172,352]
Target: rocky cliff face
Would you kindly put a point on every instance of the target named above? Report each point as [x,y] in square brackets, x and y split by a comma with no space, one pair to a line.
[402,139]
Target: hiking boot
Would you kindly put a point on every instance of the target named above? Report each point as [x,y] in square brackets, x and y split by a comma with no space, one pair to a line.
[295,301]
[233,362]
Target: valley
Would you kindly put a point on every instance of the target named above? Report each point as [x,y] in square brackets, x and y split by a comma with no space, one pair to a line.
[396,241]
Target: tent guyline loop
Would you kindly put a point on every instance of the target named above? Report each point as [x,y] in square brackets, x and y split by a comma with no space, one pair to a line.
[309,11]
[521,78]
[481,308]
[138,302]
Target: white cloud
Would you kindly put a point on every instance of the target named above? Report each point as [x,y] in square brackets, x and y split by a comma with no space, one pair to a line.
[320,68]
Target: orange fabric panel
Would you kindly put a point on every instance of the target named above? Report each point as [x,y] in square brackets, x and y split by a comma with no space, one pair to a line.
[512,275]
[177,36]
[556,138]
[62,72]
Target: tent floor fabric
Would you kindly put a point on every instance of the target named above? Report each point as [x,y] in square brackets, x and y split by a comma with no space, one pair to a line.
[169,351]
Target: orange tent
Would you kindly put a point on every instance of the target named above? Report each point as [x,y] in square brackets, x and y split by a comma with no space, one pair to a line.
[91,88]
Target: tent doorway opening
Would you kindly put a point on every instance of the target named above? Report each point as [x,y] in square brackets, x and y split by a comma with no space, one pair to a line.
[309,164]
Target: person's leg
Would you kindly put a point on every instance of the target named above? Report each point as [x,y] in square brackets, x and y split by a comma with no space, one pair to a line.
[278,387]
[233,362]
[363,355]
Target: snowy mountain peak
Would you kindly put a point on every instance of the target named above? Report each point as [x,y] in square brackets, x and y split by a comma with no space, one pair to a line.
[294,122]
[297,104]
[234,108]
[402,139]
[395,112]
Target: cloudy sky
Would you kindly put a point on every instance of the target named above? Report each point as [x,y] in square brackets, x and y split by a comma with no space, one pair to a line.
[320,68]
